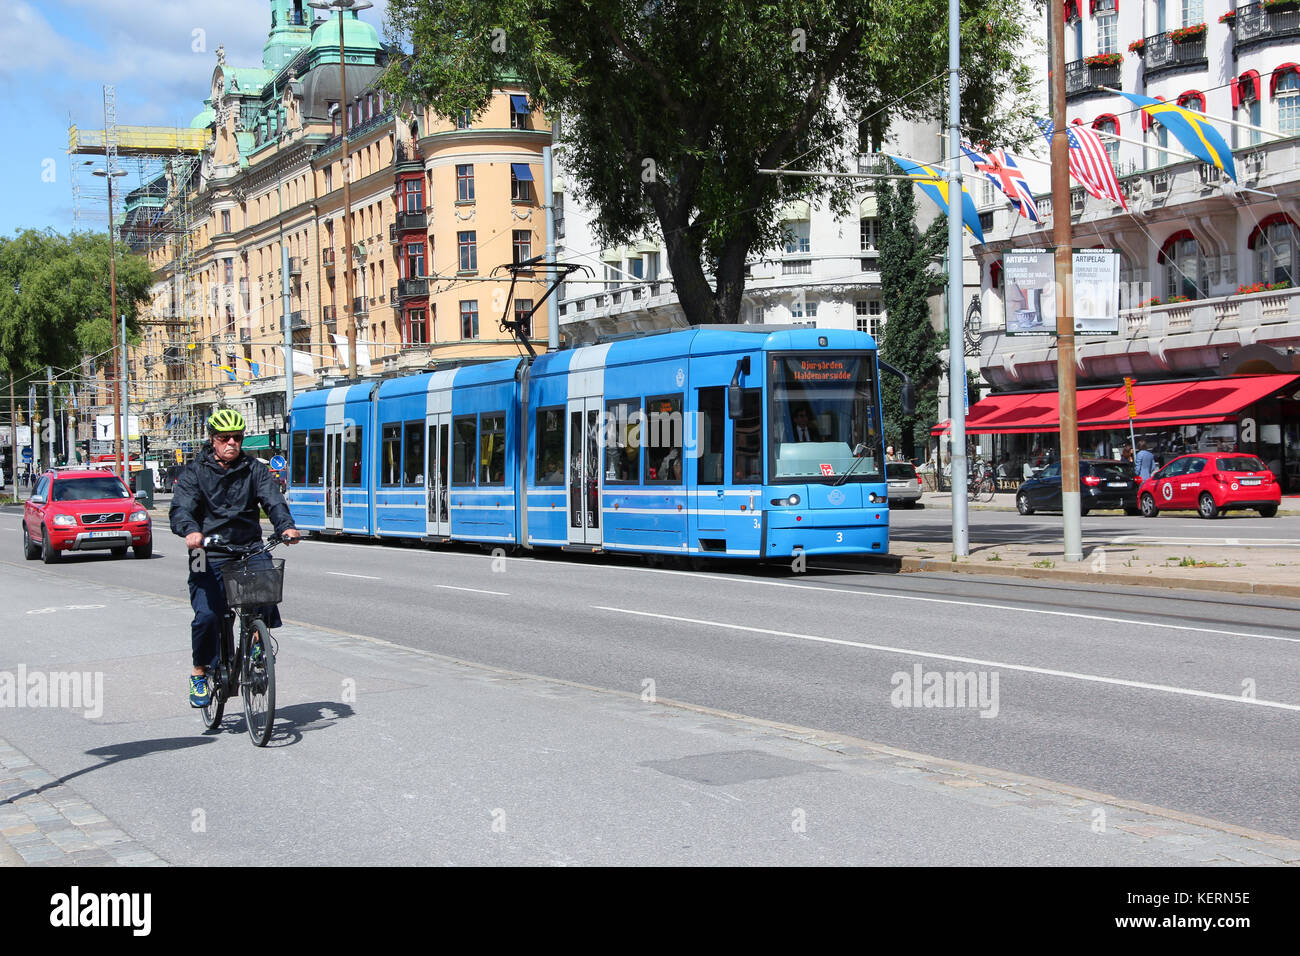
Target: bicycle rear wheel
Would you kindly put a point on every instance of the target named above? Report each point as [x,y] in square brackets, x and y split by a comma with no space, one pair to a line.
[986,489]
[211,714]
[258,686]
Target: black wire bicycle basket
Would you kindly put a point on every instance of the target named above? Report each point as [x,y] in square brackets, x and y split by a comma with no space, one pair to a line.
[254,586]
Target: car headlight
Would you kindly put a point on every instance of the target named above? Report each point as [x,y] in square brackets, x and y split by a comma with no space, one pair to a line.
[140,516]
[63,521]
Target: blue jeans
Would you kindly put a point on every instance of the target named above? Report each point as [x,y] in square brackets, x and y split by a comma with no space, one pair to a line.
[208,598]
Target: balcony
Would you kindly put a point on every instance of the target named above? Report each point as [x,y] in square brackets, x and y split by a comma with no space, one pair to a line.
[409,221]
[297,321]
[359,306]
[412,288]
[327,259]
[1160,53]
[329,315]
[245,337]
[295,266]
[1254,25]
[1082,79]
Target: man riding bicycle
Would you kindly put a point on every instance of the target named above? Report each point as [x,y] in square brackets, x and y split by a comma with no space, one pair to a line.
[221,492]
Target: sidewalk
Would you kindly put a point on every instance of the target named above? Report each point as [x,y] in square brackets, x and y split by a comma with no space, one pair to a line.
[1213,563]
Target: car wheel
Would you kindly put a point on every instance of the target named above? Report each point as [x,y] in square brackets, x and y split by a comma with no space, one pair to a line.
[1268,511]
[117,552]
[1022,504]
[1148,506]
[1207,507]
[29,548]
[1083,511]
[48,554]
[1132,512]
[144,550]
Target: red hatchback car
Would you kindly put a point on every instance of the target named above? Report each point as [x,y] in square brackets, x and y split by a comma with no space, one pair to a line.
[84,511]
[1211,482]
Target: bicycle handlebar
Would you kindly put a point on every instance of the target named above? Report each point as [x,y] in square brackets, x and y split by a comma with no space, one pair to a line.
[218,545]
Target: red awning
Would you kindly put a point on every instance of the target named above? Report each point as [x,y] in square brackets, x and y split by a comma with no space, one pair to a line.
[1159,404]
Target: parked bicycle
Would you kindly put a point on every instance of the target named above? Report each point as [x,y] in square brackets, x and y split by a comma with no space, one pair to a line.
[248,667]
[979,481]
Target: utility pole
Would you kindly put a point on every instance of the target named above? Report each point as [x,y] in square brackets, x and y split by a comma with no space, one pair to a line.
[13,435]
[956,337]
[110,174]
[1062,239]
[553,304]
[49,413]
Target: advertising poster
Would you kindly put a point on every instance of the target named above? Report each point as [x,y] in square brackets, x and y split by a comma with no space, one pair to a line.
[1028,276]
[1096,292]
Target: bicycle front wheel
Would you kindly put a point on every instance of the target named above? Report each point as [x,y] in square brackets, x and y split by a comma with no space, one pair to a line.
[258,686]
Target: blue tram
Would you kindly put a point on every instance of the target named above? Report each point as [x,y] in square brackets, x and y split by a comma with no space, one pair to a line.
[735,441]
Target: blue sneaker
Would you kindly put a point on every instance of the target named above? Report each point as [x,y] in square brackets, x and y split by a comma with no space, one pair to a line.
[200,694]
[256,652]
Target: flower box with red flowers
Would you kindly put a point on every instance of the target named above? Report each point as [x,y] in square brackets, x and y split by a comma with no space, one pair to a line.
[1231,17]
[1262,287]
[1277,6]
[1137,46]
[1188,34]
[1146,304]
[1174,299]
[1104,60]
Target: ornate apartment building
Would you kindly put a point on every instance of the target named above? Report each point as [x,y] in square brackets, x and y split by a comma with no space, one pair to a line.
[436,206]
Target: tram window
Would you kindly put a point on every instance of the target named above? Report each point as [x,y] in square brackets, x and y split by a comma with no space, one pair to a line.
[492,449]
[711,435]
[352,458]
[623,442]
[413,454]
[390,453]
[316,457]
[747,439]
[462,456]
[298,471]
[549,463]
[663,440]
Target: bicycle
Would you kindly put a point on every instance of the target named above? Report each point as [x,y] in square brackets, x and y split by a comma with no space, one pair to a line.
[248,668]
[979,483]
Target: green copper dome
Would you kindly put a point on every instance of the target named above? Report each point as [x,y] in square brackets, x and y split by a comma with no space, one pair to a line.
[357,36]
[204,119]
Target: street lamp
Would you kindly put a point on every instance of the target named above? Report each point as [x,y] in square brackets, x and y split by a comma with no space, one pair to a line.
[343,6]
[119,395]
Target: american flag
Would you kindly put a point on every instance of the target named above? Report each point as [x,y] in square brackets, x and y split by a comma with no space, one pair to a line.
[1002,171]
[1089,162]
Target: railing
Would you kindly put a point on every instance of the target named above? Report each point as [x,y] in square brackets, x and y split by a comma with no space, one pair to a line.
[295,266]
[1160,52]
[1253,23]
[359,305]
[297,321]
[329,314]
[1081,78]
[411,288]
[327,258]
[412,220]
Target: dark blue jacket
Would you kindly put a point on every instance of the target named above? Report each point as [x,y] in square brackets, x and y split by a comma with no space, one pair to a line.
[213,500]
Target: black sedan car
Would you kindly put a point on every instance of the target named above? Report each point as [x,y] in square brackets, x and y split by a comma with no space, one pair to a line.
[1102,484]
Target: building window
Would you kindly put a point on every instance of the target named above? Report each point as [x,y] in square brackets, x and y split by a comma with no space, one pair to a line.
[465,183]
[466,243]
[1275,243]
[414,260]
[518,111]
[1109,124]
[652,266]
[1192,100]
[1185,273]
[469,318]
[225,220]
[417,327]
[521,181]
[1287,95]
[1107,26]
[869,317]
[636,268]
[801,308]
[1248,91]
[413,195]
[329,178]
[523,245]
[1193,12]
[798,237]
[462,121]
[229,271]
[869,233]
[522,308]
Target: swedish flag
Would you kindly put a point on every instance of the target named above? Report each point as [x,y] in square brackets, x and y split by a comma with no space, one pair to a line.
[1190,128]
[934,185]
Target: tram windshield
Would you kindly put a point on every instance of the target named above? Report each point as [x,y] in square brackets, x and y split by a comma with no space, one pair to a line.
[824,418]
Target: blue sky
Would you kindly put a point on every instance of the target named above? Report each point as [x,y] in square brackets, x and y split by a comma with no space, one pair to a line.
[57,55]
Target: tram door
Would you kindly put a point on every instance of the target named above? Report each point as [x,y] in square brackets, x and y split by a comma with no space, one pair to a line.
[583,444]
[437,473]
[334,476]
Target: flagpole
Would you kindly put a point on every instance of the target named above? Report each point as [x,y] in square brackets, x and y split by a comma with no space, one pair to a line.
[1065,368]
[956,334]
[1138,142]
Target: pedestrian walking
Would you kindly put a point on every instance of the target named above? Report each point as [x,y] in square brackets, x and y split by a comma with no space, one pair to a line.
[1145,462]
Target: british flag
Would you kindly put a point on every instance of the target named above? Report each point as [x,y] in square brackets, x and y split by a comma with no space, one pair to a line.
[1003,172]
[1089,162]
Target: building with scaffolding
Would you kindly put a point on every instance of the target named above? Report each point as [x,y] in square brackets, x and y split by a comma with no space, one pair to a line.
[436,205]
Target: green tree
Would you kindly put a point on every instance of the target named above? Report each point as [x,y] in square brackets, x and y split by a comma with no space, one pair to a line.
[907,279]
[671,108]
[62,313]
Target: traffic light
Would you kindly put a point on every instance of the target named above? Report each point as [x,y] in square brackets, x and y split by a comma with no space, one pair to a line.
[273,438]
[144,446]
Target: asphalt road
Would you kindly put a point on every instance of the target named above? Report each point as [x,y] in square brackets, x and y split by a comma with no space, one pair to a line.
[1188,701]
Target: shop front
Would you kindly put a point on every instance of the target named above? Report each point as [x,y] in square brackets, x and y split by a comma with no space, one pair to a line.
[1019,432]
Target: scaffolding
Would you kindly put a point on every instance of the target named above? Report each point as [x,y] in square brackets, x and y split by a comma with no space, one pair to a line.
[159,219]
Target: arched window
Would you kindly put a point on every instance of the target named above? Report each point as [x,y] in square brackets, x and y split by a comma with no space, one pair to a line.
[1274,243]
[1109,123]
[1185,273]
[1245,96]
[1286,94]
[1192,100]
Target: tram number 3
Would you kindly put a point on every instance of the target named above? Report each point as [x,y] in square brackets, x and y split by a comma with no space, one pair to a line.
[755,522]
[839,536]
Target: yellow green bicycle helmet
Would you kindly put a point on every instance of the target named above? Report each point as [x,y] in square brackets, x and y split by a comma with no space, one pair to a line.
[225,420]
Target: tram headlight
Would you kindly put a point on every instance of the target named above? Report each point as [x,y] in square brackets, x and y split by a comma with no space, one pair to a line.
[793,500]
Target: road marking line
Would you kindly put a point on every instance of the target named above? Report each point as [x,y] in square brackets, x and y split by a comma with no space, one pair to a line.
[1049,672]
[344,574]
[449,587]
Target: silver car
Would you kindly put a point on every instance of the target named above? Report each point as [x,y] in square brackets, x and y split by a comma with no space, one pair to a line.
[904,483]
